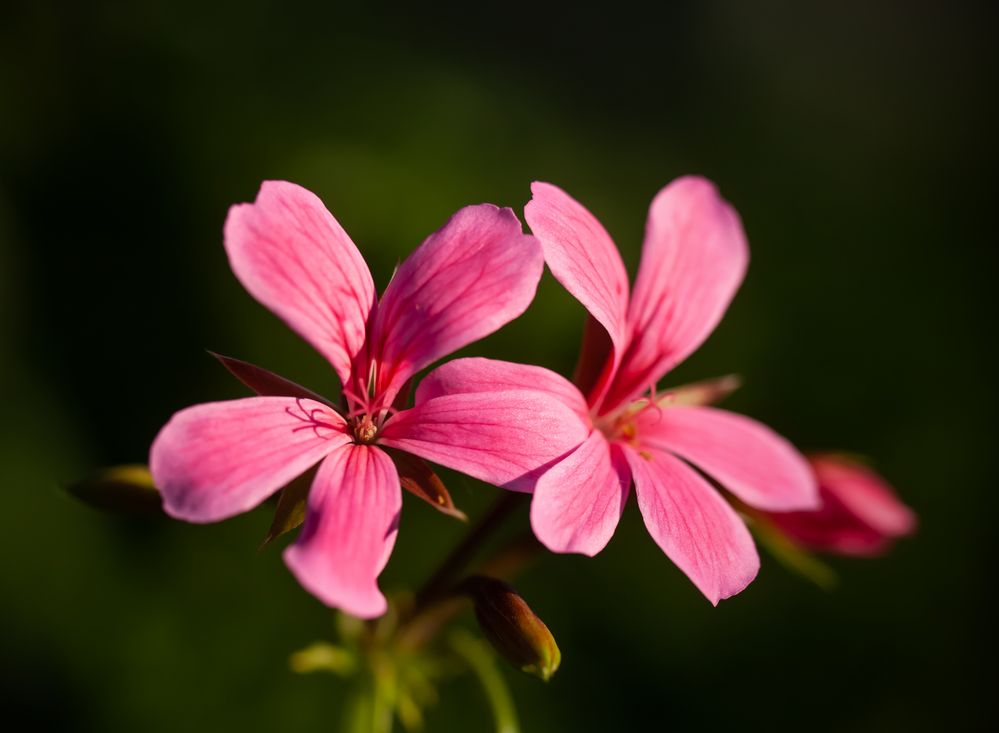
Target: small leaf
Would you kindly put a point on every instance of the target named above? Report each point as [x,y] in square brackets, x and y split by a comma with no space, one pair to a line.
[290,510]
[513,629]
[323,657]
[264,382]
[420,480]
[121,489]
[790,554]
[481,662]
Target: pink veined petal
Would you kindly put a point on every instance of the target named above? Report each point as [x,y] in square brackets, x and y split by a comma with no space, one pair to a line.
[694,259]
[577,504]
[292,256]
[474,275]
[476,374]
[350,528]
[219,459]
[504,438]
[746,457]
[864,493]
[583,257]
[693,524]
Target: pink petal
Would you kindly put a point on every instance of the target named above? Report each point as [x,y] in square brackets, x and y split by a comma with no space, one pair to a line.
[693,525]
[832,528]
[219,459]
[350,528]
[505,438]
[746,457]
[471,277]
[578,503]
[581,256]
[476,374]
[292,256]
[864,493]
[693,261]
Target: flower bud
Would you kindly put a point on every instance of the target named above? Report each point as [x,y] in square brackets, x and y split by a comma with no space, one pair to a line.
[513,629]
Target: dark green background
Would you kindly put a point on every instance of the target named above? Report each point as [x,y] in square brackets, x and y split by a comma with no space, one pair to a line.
[858,145]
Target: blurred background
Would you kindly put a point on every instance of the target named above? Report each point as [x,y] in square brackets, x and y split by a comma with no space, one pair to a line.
[858,143]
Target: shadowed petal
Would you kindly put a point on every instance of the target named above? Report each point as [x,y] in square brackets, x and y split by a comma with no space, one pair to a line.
[505,438]
[491,375]
[474,275]
[693,261]
[581,256]
[577,504]
[219,459]
[865,493]
[860,512]
[693,525]
[745,456]
[292,256]
[350,529]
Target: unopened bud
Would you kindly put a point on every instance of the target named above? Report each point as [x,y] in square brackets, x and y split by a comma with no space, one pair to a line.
[513,629]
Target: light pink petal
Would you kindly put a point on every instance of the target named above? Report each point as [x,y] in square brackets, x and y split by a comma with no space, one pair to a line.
[864,493]
[476,374]
[746,457]
[693,261]
[474,275]
[693,524]
[581,256]
[292,256]
[505,438]
[578,503]
[350,528]
[219,459]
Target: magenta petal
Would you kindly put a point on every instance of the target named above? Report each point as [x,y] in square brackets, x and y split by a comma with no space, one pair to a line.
[693,261]
[476,374]
[219,459]
[693,524]
[292,256]
[505,438]
[746,457]
[474,275]
[581,256]
[865,494]
[577,504]
[350,529]
[833,528]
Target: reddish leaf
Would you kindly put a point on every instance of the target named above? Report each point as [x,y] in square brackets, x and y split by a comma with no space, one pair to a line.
[419,479]
[264,382]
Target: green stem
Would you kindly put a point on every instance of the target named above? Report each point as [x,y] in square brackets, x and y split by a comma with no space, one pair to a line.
[440,582]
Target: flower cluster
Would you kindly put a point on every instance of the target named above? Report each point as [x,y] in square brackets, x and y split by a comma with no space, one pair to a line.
[578,447]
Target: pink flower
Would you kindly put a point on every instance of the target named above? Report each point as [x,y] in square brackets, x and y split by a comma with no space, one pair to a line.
[468,279]
[860,514]
[694,259]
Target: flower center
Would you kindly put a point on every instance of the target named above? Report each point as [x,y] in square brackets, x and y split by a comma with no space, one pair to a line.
[622,425]
[364,429]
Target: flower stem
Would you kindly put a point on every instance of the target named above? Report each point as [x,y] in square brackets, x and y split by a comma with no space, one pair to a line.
[440,582]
